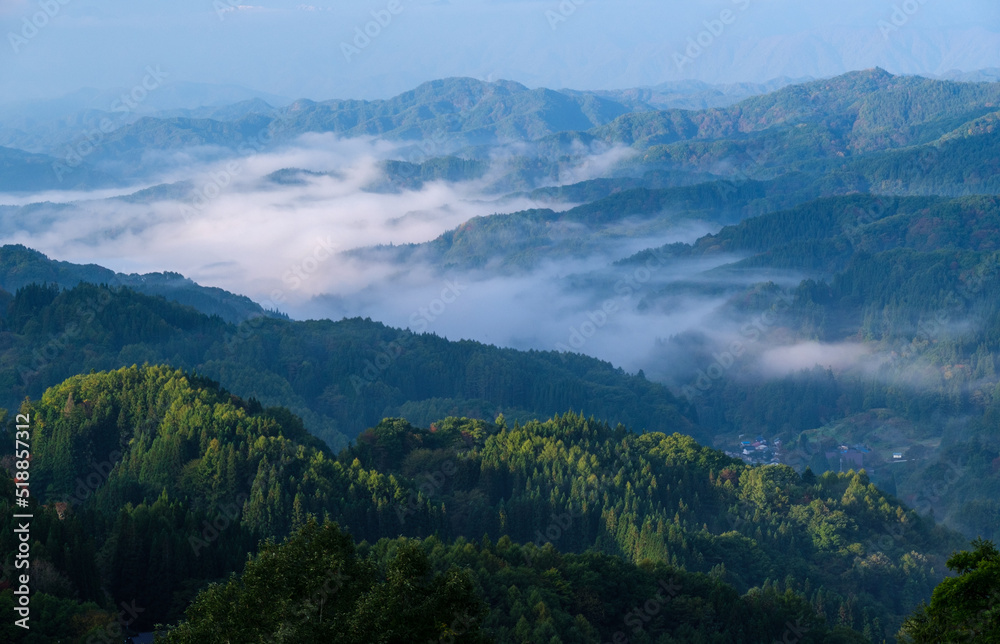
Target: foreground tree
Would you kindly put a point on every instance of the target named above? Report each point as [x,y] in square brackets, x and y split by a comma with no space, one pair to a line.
[314,588]
[965,608]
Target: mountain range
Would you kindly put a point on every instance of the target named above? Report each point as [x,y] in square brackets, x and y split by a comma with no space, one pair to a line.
[802,282]
[453,114]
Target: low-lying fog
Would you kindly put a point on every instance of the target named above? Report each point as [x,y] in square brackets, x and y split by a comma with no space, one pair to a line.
[282,243]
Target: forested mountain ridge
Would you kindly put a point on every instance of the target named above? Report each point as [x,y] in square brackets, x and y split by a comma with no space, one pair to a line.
[340,376]
[21,266]
[692,94]
[854,223]
[834,311]
[908,284]
[853,114]
[521,240]
[22,171]
[871,110]
[767,154]
[175,454]
[785,220]
[565,598]
[456,112]
[875,109]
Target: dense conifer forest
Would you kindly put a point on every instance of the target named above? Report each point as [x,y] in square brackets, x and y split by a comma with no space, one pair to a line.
[814,459]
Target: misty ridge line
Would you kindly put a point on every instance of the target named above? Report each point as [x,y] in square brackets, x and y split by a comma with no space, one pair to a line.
[625,288]
[310,268]
[319,275]
[812,263]
[286,117]
[622,287]
[218,180]
[752,333]
[124,105]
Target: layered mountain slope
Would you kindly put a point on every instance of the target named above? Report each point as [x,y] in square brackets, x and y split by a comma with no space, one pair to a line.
[856,113]
[340,376]
[20,266]
[869,110]
[24,172]
[186,479]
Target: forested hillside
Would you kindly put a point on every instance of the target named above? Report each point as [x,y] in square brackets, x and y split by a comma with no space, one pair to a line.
[22,171]
[484,592]
[875,110]
[804,287]
[21,266]
[452,112]
[342,377]
[909,283]
[864,133]
[150,483]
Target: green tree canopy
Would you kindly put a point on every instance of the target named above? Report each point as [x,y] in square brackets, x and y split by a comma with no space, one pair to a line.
[965,608]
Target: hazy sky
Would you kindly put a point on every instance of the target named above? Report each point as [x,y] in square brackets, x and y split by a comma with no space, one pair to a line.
[296,49]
